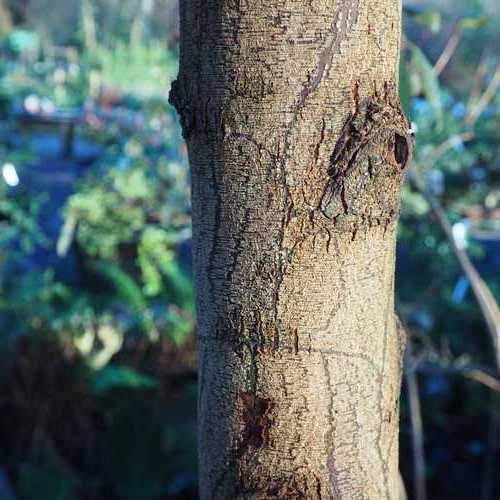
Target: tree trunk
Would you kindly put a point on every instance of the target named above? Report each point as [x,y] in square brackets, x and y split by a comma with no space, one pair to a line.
[298,146]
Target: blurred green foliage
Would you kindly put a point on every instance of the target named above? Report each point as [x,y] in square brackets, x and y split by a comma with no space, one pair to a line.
[103,354]
[457,154]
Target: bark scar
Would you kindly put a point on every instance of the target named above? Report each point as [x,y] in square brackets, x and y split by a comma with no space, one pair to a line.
[257,418]
[344,22]
[367,164]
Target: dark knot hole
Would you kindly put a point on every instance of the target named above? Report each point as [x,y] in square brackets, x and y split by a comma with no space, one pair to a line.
[401,150]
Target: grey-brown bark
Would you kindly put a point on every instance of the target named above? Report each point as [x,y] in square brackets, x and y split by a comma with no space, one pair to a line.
[298,148]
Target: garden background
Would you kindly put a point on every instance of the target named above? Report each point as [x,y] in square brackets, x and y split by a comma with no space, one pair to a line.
[97,331]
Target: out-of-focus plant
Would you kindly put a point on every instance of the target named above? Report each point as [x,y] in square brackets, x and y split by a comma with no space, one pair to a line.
[128,222]
[127,218]
[130,64]
[19,231]
[458,155]
[141,69]
[454,181]
[47,82]
[92,358]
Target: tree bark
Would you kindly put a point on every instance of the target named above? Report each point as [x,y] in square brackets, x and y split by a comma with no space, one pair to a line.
[298,147]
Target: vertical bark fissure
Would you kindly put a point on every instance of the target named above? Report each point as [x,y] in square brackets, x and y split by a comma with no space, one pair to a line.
[216,222]
[344,21]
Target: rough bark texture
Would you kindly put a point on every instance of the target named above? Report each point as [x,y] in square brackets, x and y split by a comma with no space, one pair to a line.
[298,149]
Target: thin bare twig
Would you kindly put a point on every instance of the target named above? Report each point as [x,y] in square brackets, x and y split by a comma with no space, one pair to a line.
[483,378]
[476,373]
[488,95]
[485,298]
[417,434]
[480,75]
[443,148]
[449,49]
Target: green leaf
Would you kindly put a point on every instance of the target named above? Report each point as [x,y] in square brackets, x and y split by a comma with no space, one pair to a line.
[431,19]
[474,23]
[430,83]
[121,377]
[129,291]
[179,328]
[179,286]
[124,285]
